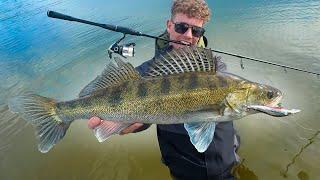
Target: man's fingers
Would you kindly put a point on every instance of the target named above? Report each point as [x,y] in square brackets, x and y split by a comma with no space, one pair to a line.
[94,122]
[131,128]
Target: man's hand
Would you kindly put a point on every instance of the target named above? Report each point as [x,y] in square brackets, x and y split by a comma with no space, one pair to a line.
[96,121]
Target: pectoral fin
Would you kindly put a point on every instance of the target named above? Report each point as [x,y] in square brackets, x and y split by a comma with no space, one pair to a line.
[201,134]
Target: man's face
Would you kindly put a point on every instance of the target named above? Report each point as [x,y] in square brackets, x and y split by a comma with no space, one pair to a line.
[187,37]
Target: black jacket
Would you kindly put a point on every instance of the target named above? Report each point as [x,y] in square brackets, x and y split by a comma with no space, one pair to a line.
[178,153]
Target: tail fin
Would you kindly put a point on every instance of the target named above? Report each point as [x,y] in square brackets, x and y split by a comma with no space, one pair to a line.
[40,112]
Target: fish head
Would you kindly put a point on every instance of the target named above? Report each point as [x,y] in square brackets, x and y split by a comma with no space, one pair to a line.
[265,95]
[249,93]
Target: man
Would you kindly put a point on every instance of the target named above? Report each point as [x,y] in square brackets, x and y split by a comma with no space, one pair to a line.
[183,160]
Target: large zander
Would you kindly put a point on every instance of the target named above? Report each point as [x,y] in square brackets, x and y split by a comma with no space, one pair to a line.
[181,86]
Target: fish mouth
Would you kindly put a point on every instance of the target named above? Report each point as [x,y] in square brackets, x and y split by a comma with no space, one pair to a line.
[275,102]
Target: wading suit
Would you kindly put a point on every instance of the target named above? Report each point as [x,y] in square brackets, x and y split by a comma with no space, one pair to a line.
[178,153]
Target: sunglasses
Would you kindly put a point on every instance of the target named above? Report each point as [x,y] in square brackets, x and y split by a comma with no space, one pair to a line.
[182,28]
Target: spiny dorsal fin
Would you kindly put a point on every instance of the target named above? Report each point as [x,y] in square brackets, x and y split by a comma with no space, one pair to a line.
[112,75]
[187,59]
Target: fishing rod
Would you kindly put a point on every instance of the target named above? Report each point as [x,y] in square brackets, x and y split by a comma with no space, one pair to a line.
[127,50]
[266,62]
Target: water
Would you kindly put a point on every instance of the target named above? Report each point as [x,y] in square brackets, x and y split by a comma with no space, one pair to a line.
[57,58]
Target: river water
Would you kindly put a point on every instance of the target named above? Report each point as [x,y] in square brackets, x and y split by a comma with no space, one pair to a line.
[57,58]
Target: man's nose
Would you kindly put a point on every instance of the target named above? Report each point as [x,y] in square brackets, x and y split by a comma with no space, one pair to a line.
[188,33]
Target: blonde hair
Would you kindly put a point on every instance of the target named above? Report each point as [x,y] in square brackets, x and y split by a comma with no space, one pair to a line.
[192,8]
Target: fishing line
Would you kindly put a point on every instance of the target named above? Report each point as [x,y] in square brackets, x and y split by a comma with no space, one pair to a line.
[10,125]
[148,47]
[283,121]
[5,147]
[11,128]
[241,64]
[299,125]
[125,30]
[14,131]
[285,67]
[302,138]
[3,108]
[305,138]
[308,129]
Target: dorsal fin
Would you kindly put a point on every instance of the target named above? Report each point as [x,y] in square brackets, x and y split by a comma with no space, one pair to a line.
[112,75]
[187,59]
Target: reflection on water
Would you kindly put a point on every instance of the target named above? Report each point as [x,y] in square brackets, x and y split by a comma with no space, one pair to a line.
[301,173]
[57,59]
[241,172]
[10,125]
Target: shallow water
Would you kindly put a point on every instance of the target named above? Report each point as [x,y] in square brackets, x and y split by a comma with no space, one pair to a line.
[57,58]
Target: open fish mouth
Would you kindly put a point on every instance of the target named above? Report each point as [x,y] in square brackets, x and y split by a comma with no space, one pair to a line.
[274,108]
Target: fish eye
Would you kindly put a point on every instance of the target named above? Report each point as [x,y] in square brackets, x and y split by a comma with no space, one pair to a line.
[270,94]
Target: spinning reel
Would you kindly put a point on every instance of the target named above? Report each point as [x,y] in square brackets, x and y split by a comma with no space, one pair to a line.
[124,50]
